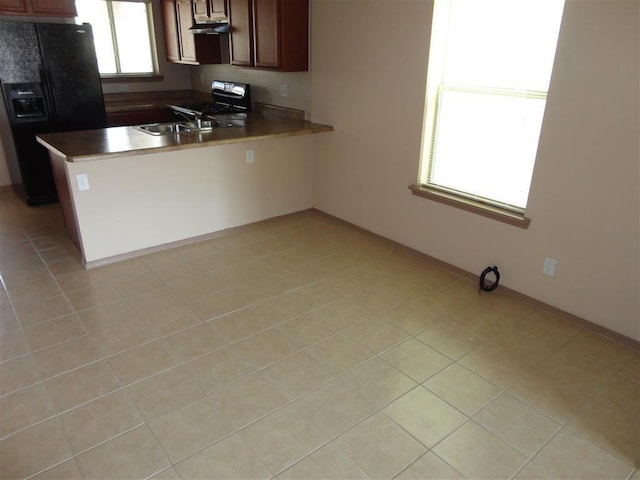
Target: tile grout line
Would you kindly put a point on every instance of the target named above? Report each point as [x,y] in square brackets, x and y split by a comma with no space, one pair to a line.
[342,375]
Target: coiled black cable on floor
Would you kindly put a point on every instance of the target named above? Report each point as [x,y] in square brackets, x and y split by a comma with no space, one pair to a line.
[489,287]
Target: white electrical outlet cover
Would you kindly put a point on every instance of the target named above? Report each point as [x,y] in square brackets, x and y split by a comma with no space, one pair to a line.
[82,179]
[549,267]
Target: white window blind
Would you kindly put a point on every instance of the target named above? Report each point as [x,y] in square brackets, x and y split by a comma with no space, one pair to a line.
[489,70]
[123,35]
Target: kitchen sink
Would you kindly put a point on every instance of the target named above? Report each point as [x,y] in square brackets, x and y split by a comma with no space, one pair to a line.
[182,127]
[159,128]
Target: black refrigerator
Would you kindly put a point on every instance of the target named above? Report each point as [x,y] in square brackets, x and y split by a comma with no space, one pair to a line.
[50,83]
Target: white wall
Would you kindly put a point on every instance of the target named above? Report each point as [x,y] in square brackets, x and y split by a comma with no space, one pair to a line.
[265,85]
[369,63]
[143,201]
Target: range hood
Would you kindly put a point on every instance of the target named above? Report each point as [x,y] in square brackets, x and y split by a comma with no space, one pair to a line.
[210,28]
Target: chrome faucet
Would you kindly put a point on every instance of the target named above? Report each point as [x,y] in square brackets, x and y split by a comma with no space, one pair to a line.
[197,117]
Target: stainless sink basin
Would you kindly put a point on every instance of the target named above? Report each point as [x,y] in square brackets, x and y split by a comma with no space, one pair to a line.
[182,127]
[159,128]
[205,125]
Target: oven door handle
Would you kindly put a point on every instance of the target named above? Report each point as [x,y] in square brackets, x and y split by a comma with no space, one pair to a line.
[233,96]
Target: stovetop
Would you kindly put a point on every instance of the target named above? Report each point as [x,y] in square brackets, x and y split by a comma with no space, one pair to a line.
[207,108]
[227,97]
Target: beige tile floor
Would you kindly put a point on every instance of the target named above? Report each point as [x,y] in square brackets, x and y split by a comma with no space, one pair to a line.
[298,348]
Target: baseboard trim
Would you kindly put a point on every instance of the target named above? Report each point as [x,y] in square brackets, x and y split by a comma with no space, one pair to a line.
[569,317]
[6,188]
[187,241]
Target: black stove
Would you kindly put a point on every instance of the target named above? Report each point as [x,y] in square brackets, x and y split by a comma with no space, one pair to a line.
[227,97]
[207,108]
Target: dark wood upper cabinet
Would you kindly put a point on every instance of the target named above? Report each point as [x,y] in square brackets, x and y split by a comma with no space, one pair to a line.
[170,23]
[54,7]
[14,7]
[241,32]
[50,8]
[218,8]
[182,46]
[200,10]
[187,42]
[266,33]
[209,10]
[270,34]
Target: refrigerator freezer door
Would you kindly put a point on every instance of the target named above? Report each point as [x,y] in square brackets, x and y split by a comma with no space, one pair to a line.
[19,53]
[58,59]
[72,76]
[27,161]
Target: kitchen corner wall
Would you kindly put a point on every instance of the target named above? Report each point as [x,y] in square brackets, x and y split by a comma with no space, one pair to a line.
[369,69]
[265,85]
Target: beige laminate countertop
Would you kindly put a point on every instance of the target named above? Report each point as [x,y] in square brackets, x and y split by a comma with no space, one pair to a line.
[127,141]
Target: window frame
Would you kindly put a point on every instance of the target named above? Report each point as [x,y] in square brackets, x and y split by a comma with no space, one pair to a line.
[472,206]
[495,209]
[119,76]
[529,94]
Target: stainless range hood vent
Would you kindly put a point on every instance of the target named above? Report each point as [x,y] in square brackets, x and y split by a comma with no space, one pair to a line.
[210,28]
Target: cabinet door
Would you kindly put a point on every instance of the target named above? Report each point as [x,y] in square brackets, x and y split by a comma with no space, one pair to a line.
[201,10]
[66,8]
[185,21]
[209,10]
[170,24]
[293,35]
[15,6]
[240,26]
[266,33]
[218,8]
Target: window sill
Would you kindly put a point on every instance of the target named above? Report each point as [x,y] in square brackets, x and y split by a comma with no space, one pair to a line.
[131,78]
[472,206]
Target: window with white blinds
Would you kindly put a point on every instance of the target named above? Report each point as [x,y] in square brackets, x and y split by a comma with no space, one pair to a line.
[123,35]
[490,64]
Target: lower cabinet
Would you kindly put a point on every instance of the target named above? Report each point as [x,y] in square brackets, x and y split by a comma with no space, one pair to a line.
[182,46]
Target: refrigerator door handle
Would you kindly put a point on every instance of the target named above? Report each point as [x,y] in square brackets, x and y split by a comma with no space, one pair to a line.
[47,87]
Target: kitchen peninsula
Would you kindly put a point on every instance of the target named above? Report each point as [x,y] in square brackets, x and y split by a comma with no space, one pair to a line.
[125,192]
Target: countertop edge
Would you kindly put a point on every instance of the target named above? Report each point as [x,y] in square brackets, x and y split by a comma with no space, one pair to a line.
[308,129]
[49,147]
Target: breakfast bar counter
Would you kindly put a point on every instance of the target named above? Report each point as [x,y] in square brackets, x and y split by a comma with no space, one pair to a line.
[127,141]
[125,192]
